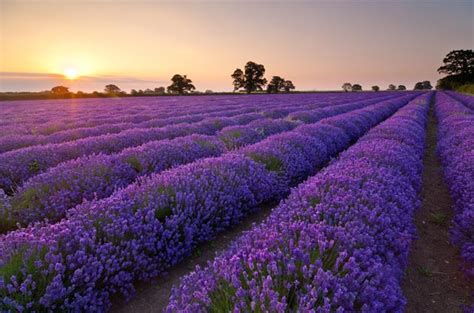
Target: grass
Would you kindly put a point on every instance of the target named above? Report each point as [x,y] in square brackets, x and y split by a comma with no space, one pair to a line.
[468,88]
[424,271]
[438,218]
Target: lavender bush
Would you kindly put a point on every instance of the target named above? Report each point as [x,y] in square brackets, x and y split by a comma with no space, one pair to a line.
[338,243]
[104,245]
[455,148]
[49,195]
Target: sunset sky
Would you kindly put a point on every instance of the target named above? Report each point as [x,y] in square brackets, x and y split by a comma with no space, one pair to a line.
[141,44]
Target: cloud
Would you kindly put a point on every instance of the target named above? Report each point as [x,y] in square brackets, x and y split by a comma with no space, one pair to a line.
[22,81]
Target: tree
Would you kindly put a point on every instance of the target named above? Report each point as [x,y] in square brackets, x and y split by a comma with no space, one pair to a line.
[459,65]
[112,89]
[424,85]
[402,87]
[134,92]
[250,80]
[418,86]
[356,87]
[347,87]
[276,84]
[180,85]
[458,62]
[60,90]
[375,88]
[208,91]
[239,78]
[160,90]
[288,85]
[391,87]
[427,85]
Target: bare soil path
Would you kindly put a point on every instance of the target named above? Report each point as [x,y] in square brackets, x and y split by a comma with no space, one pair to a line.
[433,281]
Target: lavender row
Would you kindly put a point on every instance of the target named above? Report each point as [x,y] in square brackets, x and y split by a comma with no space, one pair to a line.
[19,165]
[150,108]
[73,113]
[49,195]
[456,150]
[338,243]
[24,111]
[105,245]
[8,143]
[467,100]
[13,142]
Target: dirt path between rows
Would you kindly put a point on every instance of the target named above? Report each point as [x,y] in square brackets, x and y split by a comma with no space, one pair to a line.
[153,296]
[433,281]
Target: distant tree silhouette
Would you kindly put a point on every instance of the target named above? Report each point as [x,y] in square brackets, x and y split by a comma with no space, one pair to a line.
[392,87]
[375,88]
[418,86]
[288,85]
[251,79]
[356,87]
[276,84]
[134,92]
[148,91]
[208,91]
[424,85]
[60,90]
[180,85]
[427,85]
[112,89]
[160,90]
[347,87]
[402,87]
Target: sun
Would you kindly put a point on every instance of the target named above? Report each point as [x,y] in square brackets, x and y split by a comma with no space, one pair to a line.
[71,73]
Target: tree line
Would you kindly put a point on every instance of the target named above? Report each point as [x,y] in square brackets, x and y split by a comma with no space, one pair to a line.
[424,85]
[458,65]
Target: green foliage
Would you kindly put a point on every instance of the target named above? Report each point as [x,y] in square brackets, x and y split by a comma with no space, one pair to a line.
[468,88]
[21,266]
[134,163]
[34,167]
[271,162]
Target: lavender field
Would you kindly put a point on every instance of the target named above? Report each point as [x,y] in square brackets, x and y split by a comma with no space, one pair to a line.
[99,195]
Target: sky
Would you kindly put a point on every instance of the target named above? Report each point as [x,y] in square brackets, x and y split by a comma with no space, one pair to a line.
[318,45]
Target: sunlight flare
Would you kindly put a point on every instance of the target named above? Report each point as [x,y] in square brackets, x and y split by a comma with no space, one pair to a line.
[71,73]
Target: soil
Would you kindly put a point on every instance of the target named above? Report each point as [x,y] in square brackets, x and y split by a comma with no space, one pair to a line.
[434,282]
